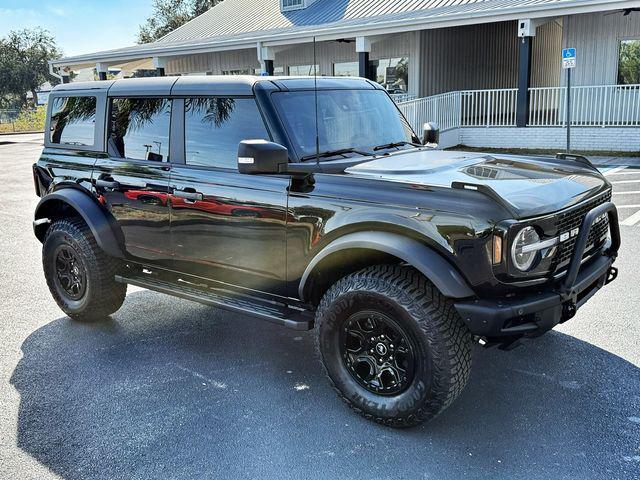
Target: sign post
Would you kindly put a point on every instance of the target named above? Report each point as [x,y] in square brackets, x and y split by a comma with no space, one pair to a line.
[568,63]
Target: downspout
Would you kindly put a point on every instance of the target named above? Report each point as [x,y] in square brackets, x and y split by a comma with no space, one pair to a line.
[53,73]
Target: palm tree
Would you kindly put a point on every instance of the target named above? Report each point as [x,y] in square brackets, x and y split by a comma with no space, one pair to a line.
[212,110]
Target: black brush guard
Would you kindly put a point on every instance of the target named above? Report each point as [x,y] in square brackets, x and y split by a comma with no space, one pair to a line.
[532,315]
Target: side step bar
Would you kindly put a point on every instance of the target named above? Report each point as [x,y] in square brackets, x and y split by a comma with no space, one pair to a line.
[281,314]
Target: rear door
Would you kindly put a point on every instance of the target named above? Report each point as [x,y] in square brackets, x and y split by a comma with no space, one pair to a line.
[226,226]
[133,181]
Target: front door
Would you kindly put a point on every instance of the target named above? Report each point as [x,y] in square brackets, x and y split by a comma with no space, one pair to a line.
[226,226]
[133,182]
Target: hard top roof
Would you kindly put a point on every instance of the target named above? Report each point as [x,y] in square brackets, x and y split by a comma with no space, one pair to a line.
[213,85]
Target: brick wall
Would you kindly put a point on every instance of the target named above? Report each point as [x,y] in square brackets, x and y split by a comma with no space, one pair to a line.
[623,139]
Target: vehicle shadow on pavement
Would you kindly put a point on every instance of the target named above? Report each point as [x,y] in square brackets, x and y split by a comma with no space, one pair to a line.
[172,389]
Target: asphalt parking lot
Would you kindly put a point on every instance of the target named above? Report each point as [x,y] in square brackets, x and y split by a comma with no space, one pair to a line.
[171,389]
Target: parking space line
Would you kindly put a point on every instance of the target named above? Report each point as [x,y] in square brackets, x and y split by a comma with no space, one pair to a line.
[634,171]
[627,193]
[627,206]
[614,170]
[632,220]
[625,181]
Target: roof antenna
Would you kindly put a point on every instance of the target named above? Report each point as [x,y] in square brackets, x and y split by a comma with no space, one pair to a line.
[315,94]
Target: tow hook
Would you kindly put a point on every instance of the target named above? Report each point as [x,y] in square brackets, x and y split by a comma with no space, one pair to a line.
[568,310]
[612,274]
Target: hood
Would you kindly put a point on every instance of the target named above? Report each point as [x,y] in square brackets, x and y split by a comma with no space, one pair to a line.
[528,186]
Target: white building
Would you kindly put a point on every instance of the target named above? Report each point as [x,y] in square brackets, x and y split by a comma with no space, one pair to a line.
[489,71]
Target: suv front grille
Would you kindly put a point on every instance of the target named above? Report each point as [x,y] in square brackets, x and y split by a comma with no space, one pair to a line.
[572,218]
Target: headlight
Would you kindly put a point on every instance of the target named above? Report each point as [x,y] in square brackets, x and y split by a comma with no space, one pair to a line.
[523,259]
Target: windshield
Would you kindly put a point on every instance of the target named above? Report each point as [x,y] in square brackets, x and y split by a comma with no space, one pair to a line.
[347,119]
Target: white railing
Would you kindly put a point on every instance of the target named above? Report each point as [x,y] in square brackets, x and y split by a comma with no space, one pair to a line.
[444,109]
[402,97]
[602,105]
[488,108]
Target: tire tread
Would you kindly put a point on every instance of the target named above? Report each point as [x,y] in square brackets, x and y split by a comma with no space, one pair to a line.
[435,315]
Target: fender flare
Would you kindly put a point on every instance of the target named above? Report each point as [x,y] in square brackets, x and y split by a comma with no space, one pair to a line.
[420,256]
[93,215]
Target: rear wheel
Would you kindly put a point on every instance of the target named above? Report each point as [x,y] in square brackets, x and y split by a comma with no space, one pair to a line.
[393,347]
[80,276]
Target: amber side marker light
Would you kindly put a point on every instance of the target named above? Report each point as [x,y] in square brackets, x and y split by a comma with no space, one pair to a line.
[497,249]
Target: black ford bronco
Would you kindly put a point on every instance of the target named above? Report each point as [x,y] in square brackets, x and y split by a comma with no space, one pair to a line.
[307,202]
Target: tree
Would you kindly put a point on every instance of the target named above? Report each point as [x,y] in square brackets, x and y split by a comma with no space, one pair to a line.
[167,15]
[24,62]
[629,62]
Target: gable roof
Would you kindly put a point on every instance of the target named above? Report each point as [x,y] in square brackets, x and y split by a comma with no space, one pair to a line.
[236,24]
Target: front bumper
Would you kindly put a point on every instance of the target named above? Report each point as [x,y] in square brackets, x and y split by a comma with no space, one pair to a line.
[535,314]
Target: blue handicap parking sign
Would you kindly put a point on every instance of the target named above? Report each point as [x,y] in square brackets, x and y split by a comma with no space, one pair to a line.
[568,53]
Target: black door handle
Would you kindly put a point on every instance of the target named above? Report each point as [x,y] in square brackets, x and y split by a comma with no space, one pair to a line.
[188,194]
[107,183]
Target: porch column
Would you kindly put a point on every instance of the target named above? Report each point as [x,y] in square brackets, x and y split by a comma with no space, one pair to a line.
[268,67]
[65,73]
[363,47]
[524,81]
[160,63]
[266,57]
[102,69]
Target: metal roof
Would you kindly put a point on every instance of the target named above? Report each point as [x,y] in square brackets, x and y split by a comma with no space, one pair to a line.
[235,24]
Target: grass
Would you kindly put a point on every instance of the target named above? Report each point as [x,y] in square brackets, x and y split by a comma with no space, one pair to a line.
[29,120]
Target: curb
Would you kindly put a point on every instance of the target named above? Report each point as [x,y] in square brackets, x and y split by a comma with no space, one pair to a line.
[20,133]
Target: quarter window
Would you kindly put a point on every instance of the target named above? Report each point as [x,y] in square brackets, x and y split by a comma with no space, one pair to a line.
[139,128]
[215,126]
[73,120]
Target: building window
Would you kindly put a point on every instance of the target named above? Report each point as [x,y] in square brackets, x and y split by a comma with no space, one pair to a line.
[277,71]
[73,120]
[139,128]
[286,5]
[393,74]
[629,62]
[240,71]
[213,128]
[346,69]
[303,70]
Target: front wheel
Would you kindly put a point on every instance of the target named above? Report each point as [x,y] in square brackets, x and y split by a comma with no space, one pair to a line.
[80,276]
[393,347]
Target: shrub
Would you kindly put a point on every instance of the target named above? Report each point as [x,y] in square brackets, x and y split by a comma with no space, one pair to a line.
[29,120]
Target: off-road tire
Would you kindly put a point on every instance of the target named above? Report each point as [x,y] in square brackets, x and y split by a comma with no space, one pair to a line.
[443,343]
[102,294]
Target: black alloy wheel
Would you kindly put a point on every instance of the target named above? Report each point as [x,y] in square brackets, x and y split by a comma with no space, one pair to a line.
[71,275]
[378,353]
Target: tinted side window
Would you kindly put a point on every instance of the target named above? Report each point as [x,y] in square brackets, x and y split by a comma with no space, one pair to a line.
[139,128]
[215,126]
[73,120]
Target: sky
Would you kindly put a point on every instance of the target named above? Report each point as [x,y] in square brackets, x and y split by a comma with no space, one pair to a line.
[79,26]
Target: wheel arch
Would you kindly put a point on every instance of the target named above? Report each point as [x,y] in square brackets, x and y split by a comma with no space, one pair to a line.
[73,202]
[357,250]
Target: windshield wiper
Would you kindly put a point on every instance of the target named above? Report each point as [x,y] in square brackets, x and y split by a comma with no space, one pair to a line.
[332,153]
[395,144]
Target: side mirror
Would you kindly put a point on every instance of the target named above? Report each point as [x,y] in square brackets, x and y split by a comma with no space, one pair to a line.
[430,133]
[260,156]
